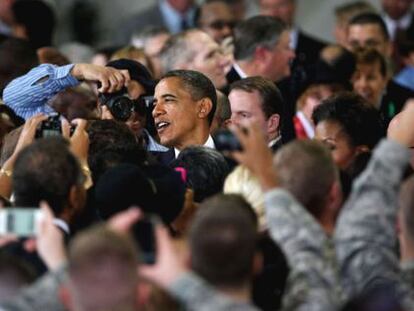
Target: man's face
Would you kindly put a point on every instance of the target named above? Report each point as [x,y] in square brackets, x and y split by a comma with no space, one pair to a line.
[283,9]
[208,58]
[217,20]
[246,108]
[277,62]
[175,113]
[369,82]
[368,36]
[396,8]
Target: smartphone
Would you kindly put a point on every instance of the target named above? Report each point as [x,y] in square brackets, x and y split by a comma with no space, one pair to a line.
[144,236]
[20,221]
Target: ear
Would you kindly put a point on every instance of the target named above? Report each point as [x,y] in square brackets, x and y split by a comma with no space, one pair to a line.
[204,107]
[273,123]
[260,53]
[65,297]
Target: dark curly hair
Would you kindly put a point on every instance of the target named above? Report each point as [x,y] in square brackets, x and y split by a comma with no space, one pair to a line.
[360,121]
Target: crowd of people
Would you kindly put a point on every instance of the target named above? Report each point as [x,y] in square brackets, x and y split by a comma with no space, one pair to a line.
[209,160]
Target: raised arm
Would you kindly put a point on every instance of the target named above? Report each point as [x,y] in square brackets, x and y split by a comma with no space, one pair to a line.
[313,281]
[365,237]
[28,95]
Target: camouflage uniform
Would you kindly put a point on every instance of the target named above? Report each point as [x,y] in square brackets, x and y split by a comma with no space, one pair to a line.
[313,279]
[365,237]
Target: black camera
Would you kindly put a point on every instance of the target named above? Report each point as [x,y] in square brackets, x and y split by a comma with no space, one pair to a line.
[51,127]
[122,107]
[225,140]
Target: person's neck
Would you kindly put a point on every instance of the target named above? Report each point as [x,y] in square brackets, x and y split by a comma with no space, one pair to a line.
[240,294]
[248,67]
[195,138]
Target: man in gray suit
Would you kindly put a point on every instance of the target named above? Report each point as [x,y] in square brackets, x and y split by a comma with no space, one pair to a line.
[175,15]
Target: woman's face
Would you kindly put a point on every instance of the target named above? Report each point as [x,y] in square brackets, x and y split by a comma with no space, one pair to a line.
[334,137]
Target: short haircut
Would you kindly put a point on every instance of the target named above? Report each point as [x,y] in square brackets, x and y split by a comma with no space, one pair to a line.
[371,57]
[272,100]
[102,271]
[141,37]
[347,11]
[46,170]
[198,85]
[222,241]
[371,18]
[206,170]
[306,169]
[177,50]
[360,121]
[257,31]
[406,205]
[111,143]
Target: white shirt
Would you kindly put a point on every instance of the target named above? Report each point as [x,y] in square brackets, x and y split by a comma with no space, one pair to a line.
[173,19]
[309,130]
[239,71]
[403,23]
[294,37]
[209,143]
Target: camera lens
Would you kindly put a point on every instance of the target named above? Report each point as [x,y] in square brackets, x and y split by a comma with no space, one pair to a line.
[120,107]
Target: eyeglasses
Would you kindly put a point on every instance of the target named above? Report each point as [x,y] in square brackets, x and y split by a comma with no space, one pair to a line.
[220,24]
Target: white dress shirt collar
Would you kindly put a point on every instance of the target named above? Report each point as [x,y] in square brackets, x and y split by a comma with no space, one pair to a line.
[403,23]
[209,143]
[239,71]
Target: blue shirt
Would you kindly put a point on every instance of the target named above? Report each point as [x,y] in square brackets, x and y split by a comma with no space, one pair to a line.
[406,77]
[28,95]
[173,19]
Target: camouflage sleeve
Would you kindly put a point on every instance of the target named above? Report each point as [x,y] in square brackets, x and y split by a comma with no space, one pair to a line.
[313,279]
[365,237]
[42,295]
[196,295]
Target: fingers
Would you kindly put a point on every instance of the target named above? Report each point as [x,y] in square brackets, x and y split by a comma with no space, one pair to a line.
[123,221]
[113,80]
[80,125]
[65,128]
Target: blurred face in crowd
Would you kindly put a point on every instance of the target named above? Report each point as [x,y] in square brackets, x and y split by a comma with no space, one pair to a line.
[368,36]
[6,13]
[312,98]
[396,8]
[334,137]
[153,48]
[283,9]
[208,58]
[217,20]
[175,113]
[276,62]
[369,82]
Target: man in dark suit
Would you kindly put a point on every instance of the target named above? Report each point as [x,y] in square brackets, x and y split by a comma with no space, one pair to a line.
[175,15]
[184,106]
[262,48]
[399,20]
[306,47]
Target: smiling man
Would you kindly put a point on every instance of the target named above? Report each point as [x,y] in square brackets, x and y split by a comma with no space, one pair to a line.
[184,106]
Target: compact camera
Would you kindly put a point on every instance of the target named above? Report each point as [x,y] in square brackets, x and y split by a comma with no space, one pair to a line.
[51,127]
[122,107]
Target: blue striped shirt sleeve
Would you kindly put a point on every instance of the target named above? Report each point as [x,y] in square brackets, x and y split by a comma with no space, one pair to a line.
[28,95]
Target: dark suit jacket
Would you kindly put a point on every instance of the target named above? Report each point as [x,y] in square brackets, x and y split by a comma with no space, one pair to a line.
[394,100]
[308,49]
